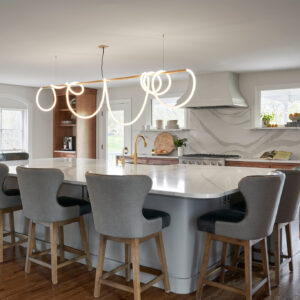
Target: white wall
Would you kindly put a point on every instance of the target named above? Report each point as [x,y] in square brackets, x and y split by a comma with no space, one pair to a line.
[40,123]
[223,130]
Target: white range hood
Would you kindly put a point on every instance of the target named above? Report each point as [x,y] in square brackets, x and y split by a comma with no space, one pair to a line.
[220,89]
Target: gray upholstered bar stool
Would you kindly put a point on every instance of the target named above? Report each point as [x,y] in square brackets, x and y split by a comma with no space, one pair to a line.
[287,213]
[117,206]
[39,189]
[9,203]
[262,195]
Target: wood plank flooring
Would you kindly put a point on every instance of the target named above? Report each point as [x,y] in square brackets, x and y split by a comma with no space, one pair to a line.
[76,283]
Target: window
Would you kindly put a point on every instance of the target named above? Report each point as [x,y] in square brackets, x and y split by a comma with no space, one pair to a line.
[12,129]
[281,102]
[159,112]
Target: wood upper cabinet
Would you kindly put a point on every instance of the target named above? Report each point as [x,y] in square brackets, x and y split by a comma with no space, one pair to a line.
[271,164]
[86,129]
[83,129]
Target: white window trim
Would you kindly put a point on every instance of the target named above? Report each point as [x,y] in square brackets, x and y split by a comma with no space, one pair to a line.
[149,112]
[24,131]
[256,121]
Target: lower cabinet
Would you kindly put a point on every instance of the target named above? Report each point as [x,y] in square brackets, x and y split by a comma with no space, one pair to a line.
[252,164]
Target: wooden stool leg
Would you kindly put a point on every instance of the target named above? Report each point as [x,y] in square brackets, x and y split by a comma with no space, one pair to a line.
[85,242]
[53,238]
[203,266]
[31,242]
[236,255]
[223,261]
[265,264]
[288,233]
[100,263]
[127,261]
[12,227]
[162,260]
[248,269]
[61,243]
[1,236]
[27,226]
[135,253]
[277,249]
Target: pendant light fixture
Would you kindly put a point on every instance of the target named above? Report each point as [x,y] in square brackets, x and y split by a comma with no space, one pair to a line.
[151,83]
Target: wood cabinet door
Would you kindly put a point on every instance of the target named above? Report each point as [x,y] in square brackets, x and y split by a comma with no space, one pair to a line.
[283,165]
[249,164]
[86,128]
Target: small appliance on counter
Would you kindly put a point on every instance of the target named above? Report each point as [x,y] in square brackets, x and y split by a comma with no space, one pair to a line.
[69,143]
[206,159]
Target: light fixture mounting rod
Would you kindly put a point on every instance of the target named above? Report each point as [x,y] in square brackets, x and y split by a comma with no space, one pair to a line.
[115,79]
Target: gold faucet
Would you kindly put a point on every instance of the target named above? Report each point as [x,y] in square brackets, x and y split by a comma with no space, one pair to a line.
[122,160]
[134,155]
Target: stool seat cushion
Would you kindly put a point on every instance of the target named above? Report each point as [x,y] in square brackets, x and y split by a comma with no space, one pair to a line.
[85,207]
[151,214]
[207,221]
[12,192]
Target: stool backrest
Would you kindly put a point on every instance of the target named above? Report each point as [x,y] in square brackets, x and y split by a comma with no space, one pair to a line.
[39,188]
[262,195]
[5,200]
[3,174]
[117,203]
[14,156]
[290,198]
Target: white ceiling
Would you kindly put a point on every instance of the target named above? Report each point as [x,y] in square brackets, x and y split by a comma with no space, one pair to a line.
[204,35]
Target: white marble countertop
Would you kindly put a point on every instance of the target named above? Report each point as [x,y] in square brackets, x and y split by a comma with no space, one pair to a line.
[264,160]
[188,181]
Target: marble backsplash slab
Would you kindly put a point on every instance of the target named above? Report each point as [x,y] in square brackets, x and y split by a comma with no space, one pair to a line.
[227,130]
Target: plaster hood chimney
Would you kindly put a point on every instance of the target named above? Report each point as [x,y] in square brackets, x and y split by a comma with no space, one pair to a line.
[214,90]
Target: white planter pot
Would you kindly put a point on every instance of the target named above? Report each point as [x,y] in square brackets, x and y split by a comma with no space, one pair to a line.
[180,151]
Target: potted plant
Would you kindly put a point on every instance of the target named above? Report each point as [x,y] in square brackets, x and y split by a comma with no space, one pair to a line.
[179,144]
[267,118]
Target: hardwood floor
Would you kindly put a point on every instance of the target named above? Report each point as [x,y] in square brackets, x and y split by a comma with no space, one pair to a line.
[75,282]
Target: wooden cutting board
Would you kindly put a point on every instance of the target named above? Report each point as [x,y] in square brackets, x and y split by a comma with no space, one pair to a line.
[164,143]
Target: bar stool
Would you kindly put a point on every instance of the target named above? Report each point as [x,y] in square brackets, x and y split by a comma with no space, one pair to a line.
[287,213]
[39,189]
[117,207]
[9,203]
[262,195]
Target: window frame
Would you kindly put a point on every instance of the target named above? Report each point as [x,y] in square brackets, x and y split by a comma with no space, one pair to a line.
[24,129]
[256,120]
[149,112]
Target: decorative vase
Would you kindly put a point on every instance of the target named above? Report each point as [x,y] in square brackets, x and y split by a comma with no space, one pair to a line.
[263,123]
[180,151]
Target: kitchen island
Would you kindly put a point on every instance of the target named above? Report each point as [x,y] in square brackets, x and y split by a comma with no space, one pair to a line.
[184,191]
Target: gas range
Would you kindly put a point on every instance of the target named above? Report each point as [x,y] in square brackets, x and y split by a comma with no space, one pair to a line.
[206,159]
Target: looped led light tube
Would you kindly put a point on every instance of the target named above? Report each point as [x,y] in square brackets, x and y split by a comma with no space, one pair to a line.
[155,91]
[150,86]
[69,89]
[38,102]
